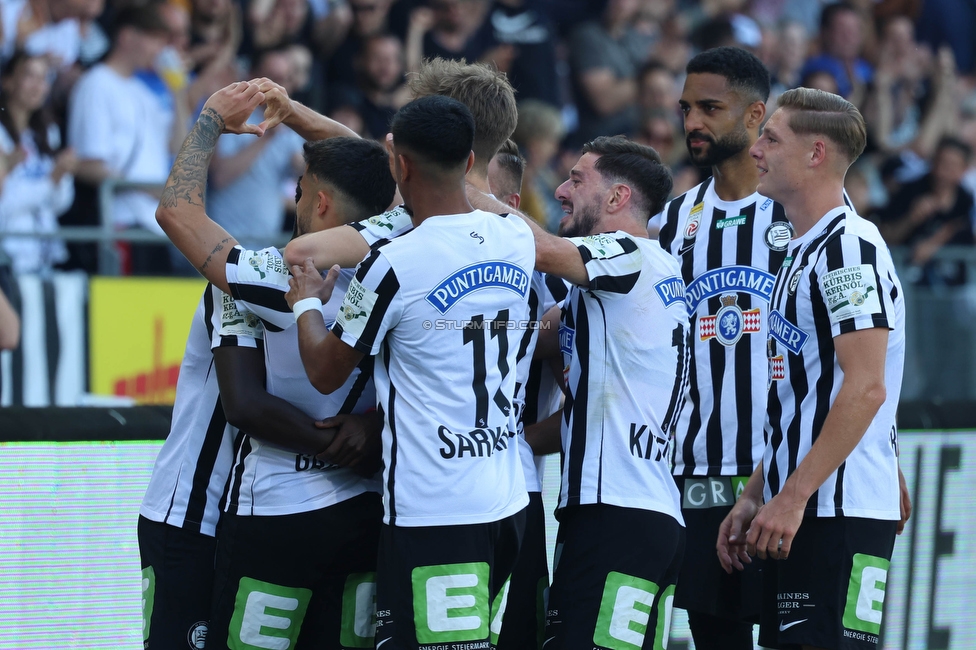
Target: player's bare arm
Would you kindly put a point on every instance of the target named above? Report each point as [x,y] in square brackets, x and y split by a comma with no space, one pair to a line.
[182,206]
[327,359]
[342,246]
[861,355]
[547,345]
[731,543]
[553,255]
[544,436]
[248,405]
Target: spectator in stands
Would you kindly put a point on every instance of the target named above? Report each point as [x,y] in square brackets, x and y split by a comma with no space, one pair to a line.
[532,72]
[841,44]
[932,212]
[505,174]
[247,173]
[952,23]
[657,89]
[39,187]
[380,89]
[120,133]
[55,28]
[215,36]
[460,30]
[792,43]
[369,18]
[538,134]
[605,57]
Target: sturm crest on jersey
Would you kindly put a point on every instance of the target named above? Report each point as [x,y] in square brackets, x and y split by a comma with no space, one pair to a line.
[778,235]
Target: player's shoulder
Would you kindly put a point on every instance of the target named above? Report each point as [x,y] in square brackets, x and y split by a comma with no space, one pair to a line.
[689,196]
[856,231]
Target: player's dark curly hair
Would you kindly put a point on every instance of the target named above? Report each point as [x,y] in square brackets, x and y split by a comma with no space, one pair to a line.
[436,129]
[635,165]
[745,73]
[357,168]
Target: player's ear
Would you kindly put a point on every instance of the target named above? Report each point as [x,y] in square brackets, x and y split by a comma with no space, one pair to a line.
[818,152]
[470,162]
[323,201]
[619,195]
[755,114]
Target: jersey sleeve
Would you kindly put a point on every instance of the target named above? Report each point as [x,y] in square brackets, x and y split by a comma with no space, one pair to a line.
[258,280]
[613,262]
[388,225]
[231,326]
[372,305]
[856,285]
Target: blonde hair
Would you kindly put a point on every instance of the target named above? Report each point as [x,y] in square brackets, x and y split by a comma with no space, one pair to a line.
[483,89]
[816,111]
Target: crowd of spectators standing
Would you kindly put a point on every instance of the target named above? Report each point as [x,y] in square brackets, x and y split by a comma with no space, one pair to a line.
[97,90]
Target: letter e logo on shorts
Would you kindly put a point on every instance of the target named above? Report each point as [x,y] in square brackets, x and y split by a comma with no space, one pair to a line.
[148,595]
[450,602]
[625,612]
[266,616]
[865,593]
[358,611]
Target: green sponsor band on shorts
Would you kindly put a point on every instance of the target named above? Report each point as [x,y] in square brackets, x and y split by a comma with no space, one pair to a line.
[267,616]
[625,613]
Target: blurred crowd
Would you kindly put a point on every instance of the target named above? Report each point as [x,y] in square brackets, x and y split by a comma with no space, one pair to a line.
[105,90]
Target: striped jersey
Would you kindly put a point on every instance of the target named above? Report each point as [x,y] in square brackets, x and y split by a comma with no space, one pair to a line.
[623,340]
[190,473]
[268,479]
[837,278]
[729,252]
[537,393]
[443,309]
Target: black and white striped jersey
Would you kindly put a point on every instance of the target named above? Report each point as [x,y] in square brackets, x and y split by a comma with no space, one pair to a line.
[191,469]
[268,479]
[537,393]
[837,278]
[389,225]
[729,252]
[623,340]
[443,308]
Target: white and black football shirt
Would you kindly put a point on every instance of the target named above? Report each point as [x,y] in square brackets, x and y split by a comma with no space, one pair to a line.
[623,340]
[729,252]
[268,479]
[191,469]
[443,308]
[838,278]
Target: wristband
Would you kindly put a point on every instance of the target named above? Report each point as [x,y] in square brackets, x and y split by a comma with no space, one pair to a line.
[304,305]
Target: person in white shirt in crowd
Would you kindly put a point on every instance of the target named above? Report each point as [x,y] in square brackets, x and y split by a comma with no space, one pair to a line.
[120,132]
[39,186]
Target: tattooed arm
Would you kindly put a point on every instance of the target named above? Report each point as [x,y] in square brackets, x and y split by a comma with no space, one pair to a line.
[182,211]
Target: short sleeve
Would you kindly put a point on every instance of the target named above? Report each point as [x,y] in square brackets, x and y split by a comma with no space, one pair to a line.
[388,225]
[230,326]
[258,280]
[372,305]
[613,262]
[855,283]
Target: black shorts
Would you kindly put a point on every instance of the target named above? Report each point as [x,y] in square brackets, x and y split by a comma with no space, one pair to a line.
[177,581]
[614,575]
[703,585]
[524,624]
[307,577]
[445,586]
[830,591]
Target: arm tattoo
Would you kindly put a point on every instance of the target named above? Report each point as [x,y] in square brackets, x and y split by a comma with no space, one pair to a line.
[187,182]
[219,247]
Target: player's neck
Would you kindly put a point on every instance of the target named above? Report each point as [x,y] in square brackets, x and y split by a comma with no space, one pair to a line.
[808,206]
[436,199]
[478,178]
[736,178]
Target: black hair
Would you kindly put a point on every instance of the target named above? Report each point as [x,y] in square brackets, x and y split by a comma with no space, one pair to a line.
[744,72]
[437,129]
[952,142]
[510,160]
[357,168]
[144,18]
[635,165]
[828,12]
[40,121]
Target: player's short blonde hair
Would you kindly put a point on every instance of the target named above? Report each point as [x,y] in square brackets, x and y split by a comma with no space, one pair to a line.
[816,111]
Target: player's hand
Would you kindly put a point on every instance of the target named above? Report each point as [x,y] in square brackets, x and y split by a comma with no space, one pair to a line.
[905,503]
[357,443]
[307,282]
[731,544]
[278,106]
[234,104]
[774,527]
